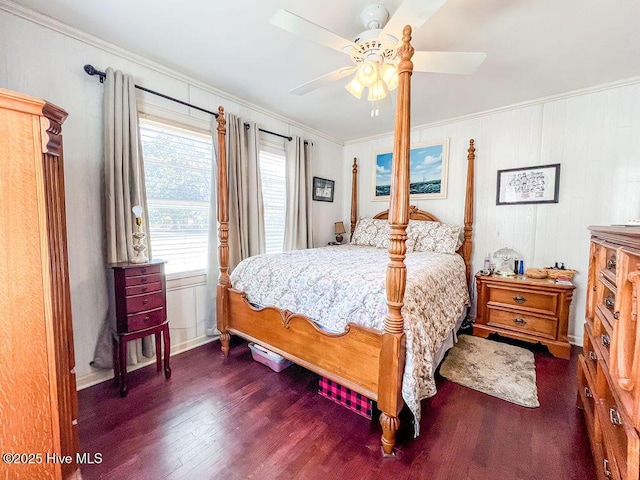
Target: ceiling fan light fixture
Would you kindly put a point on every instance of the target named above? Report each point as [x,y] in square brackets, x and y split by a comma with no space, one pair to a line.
[367,74]
[377,91]
[355,88]
[389,74]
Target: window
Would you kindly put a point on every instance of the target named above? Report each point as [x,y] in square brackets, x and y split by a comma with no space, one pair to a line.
[177,164]
[273,176]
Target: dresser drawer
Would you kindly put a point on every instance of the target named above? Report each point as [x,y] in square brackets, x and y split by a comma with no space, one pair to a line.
[138,303]
[589,351]
[146,319]
[621,439]
[143,270]
[521,322]
[586,393]
[143,288]
[142,280]
[544,301]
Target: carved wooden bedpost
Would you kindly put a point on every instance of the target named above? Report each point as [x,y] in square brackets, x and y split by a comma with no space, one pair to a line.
[222,300]
[467,244]
[392,355]
[354,196]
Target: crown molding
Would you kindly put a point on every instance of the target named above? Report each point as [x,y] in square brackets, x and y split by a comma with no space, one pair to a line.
[72,32]
[507,108]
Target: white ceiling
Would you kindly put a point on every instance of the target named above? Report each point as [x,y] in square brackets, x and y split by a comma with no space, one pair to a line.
[535,48]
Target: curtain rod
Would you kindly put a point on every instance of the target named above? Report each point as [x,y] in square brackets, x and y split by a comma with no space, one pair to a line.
[248,125]
[90,70]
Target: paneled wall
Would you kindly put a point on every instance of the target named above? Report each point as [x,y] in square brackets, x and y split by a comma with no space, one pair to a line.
[41,57]
[595,136]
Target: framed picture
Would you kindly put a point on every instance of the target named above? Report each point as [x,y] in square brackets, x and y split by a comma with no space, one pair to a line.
[428,166]
[528,185]
[323,189]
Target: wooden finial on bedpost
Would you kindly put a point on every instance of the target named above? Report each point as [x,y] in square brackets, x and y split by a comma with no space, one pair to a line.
[467,243]
[392,355]
[354,196]
[223,234]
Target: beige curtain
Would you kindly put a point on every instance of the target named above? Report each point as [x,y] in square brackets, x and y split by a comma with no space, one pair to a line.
[298,229]
[124,188]
[246,211]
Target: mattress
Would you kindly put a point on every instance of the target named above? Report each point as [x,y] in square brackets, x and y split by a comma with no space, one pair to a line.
[341,284]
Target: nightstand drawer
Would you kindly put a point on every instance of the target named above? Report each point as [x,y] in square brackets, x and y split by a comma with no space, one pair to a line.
[142,279]
[518,321]
[140,321]
[521,297]
[143,288]
[138,303]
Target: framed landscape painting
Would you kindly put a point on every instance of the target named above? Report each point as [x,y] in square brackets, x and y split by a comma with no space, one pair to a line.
[428,165]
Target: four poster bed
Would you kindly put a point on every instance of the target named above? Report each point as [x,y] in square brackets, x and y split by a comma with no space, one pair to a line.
[366,357]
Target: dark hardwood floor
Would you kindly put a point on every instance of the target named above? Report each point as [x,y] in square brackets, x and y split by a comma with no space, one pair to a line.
[235,419]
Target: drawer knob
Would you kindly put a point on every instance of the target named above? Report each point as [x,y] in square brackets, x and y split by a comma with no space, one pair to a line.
[144,289]
[593,356]
[519,321]
[519,299]
[144,270]
[143,279]
[147,318]
[587,392]
[609,302]
[606,341]
[611,263]
[614,417]
[607,472]
[616,315]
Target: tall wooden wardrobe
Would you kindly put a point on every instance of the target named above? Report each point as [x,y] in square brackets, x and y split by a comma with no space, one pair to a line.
[38,402]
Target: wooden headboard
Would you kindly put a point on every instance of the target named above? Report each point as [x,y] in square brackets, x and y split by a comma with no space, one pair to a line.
[414,214]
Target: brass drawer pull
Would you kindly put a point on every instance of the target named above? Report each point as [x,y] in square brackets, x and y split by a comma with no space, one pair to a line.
[587,392]
[144,289]
[593,356]
[614,417]
[606,341]
[519,321]
[611,263]
[144,270]
[616,315]
[147,318]
[145,301]
[519,299]
[143,279]
[607,472]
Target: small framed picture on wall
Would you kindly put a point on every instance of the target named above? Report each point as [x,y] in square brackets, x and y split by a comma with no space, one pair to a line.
[323,189]
[539,184]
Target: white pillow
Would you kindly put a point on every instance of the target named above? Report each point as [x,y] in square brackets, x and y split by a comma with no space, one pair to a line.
[375,233]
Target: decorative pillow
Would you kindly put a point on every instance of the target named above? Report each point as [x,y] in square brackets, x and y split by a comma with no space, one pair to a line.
[434,236]
[375,233]
[371,232]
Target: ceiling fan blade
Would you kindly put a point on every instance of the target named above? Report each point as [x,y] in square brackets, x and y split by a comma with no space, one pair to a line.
[447,62]
[323,80]
[291,22]
[411,12]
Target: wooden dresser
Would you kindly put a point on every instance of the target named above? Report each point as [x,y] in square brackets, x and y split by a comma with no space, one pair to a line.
[525,308]
[139,308]
[609,368]
[38,402]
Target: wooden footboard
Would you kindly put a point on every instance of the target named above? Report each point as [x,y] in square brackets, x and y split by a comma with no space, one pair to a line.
[351,358]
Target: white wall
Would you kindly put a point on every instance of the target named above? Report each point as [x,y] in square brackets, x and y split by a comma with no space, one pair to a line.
[594,136]
[42,58]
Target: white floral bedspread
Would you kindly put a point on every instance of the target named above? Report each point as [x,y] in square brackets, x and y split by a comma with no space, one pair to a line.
[341,284]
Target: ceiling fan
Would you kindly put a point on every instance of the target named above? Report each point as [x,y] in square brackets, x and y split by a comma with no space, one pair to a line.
[373,52]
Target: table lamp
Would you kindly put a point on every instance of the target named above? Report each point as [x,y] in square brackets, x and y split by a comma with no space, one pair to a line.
[507,256]
[339,230]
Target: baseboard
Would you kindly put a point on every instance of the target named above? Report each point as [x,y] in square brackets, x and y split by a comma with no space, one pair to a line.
[574,340]
[102,375]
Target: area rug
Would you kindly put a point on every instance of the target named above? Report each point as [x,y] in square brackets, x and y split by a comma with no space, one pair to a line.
[494,368]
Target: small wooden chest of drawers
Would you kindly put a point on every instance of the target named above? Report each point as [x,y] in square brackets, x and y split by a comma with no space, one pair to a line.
[526,309]
[138,309]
